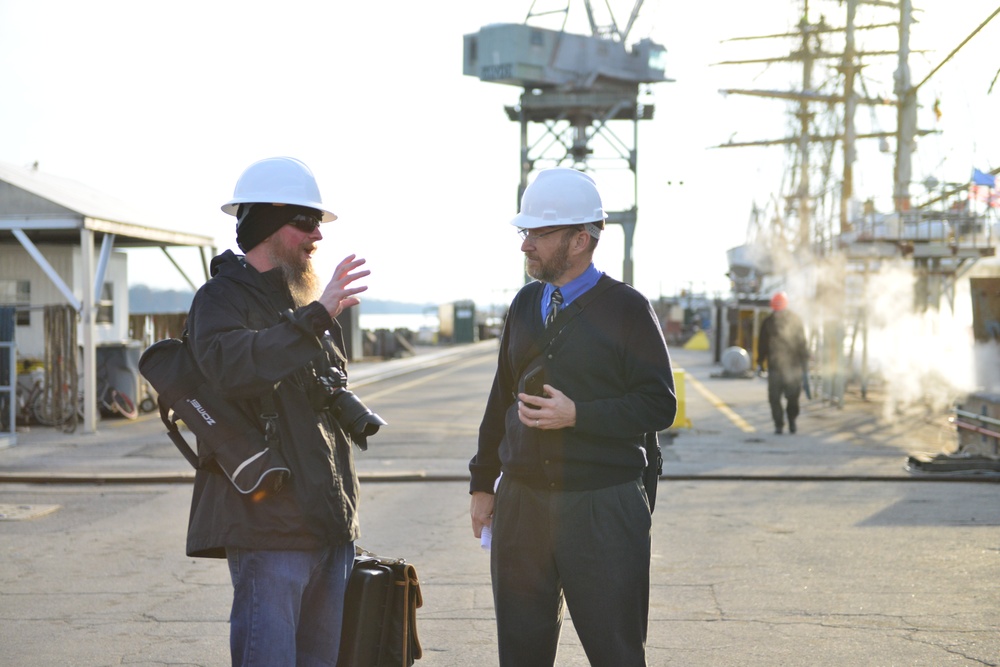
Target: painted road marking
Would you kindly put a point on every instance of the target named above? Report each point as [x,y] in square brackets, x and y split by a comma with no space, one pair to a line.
[719,404]
[451,368]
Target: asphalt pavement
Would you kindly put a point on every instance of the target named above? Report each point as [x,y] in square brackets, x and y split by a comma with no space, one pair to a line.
[818,548]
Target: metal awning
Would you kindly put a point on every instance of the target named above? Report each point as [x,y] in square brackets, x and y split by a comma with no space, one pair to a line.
[66,231]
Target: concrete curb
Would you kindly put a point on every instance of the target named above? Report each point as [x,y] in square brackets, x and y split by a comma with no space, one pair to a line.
[423,476]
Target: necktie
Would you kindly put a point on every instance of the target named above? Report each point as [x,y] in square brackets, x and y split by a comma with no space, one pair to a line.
[554,302]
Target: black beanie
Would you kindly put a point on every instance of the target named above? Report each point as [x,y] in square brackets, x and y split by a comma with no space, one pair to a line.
[255,222]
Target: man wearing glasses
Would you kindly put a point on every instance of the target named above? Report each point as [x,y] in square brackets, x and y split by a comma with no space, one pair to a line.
[583,375]
[264,332]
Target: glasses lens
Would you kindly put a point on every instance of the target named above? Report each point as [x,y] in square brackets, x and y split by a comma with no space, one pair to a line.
[305,223]
[528,236]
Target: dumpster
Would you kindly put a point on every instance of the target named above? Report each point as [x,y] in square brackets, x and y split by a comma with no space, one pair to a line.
[118,368]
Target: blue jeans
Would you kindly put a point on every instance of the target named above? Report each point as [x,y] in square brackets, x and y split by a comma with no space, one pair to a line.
[288,606]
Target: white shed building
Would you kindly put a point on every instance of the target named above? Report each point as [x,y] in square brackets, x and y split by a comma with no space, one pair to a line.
[60,244]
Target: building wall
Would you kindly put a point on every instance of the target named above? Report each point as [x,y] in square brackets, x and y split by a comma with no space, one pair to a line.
[16,264]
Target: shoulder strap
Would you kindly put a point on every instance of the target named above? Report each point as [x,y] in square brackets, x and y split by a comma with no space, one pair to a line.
[564,317]
[572,310]
[177,438]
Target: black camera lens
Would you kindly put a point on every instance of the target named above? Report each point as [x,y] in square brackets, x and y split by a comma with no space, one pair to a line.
[355,417]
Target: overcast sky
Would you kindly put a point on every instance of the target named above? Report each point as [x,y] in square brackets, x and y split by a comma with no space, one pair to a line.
[164,104]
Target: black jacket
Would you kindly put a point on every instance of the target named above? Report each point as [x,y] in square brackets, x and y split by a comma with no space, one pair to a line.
[611,360]
[249,342]
[782,344]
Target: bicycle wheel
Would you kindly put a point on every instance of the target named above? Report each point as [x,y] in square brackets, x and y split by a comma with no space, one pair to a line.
[44,410]
[124,405]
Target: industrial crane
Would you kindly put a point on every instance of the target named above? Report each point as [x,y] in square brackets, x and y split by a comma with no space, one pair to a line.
[576,89]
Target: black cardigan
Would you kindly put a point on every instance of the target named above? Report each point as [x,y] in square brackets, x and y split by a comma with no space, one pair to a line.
[611,360]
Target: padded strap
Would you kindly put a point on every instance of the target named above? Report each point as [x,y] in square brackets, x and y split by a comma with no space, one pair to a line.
[177,438]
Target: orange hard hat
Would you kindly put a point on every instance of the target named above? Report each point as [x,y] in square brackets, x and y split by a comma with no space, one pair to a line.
[779,301]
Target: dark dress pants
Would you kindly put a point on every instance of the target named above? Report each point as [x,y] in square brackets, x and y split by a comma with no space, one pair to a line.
[785,384]
[587,551]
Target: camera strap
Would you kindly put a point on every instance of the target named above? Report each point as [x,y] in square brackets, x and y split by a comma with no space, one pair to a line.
[269,413]
[563,318]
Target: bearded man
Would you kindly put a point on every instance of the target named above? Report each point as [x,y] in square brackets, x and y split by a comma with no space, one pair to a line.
[266,336]
[570,516]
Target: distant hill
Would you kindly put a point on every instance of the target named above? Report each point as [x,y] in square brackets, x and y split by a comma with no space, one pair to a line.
[145,300]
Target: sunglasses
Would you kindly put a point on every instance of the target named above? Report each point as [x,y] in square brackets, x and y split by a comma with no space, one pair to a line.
[305,223]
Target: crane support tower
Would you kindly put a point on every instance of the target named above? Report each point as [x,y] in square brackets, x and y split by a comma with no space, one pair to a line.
[577,90]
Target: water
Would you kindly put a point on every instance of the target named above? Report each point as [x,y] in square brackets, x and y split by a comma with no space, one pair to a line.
[392,321]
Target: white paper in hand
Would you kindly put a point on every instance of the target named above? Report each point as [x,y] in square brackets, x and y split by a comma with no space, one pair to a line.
[486,536]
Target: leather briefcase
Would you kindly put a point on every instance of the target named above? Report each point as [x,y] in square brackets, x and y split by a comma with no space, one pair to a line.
[380,613]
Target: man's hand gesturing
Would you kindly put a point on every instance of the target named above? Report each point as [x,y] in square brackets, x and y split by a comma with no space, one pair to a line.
[339,295]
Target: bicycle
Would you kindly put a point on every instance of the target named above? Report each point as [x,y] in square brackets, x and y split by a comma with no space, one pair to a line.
[43,406]
[38,403]
[115,402]
[25,397]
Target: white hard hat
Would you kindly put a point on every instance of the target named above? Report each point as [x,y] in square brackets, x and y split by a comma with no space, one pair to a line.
[278,180]
[559,196]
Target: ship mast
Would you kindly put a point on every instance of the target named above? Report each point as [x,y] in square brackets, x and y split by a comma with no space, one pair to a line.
[807,238]
[941,244]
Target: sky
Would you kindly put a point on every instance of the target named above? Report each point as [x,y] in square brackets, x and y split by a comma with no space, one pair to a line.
[163,105]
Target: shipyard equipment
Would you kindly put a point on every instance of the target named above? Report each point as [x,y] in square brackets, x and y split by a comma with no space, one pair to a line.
[577,90]
[817,234]
[536,58]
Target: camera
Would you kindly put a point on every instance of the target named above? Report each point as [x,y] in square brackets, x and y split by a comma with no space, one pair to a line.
[345,407]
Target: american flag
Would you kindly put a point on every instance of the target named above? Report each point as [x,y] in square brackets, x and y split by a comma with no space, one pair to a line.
[983,188]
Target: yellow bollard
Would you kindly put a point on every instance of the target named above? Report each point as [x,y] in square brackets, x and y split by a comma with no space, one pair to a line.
[681,420]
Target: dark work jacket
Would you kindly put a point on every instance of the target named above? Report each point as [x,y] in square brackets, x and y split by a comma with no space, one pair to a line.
[249,342]
[611,360]
[782,344]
